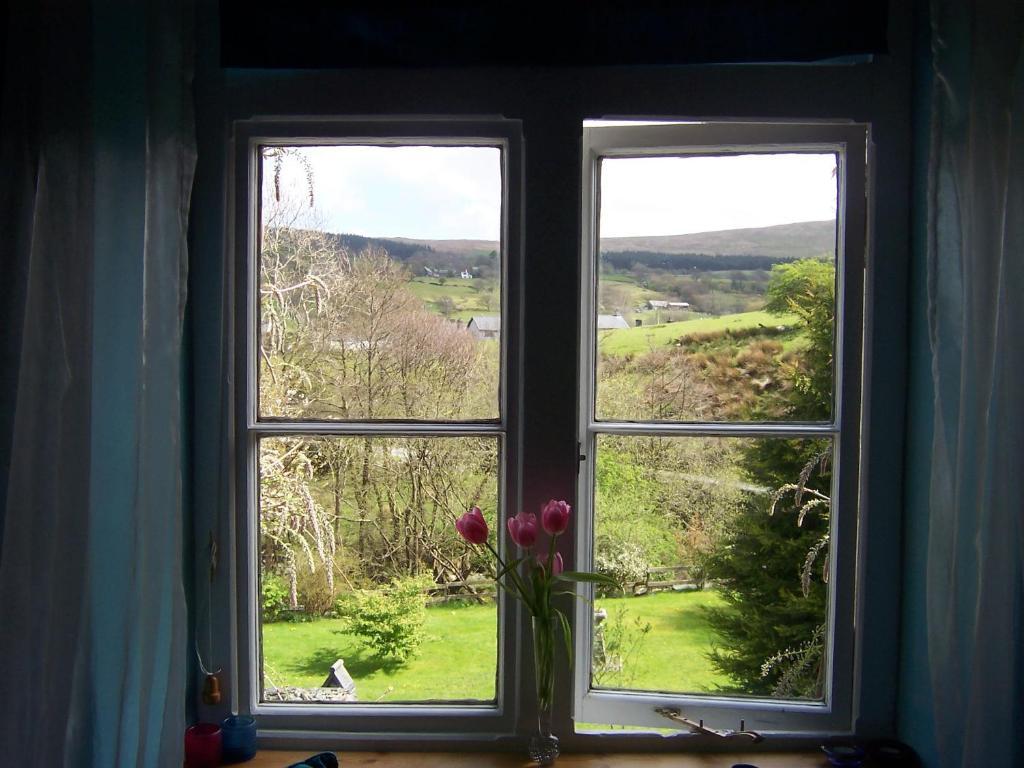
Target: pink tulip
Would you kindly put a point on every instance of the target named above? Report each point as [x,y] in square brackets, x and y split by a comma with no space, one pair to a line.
[555,517]
[523,529]
[472,526]
[555,567]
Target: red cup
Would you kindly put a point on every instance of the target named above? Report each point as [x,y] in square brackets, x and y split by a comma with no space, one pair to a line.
[202,746]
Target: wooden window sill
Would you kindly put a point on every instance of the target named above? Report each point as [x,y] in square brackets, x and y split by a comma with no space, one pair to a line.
[280,759]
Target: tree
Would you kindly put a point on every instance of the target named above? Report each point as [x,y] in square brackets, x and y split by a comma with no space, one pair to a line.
[772,622]
[342,337]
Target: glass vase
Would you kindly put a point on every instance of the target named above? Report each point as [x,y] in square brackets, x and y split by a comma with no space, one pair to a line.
[543,746]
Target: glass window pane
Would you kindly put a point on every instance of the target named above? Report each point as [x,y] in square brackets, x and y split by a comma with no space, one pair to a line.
[360,563]
[380,283]
[716,288]
[721,546]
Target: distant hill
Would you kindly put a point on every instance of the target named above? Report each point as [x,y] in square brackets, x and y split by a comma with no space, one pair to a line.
[806,239]
[457,247]
[752,248]
[803,240]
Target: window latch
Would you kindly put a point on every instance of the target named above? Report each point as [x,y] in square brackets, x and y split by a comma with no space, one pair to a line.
[697,726]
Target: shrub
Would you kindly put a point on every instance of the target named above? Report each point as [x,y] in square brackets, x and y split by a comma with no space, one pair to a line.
[390,620]
[625,562]
[315,595]
[273,597]
[617,644]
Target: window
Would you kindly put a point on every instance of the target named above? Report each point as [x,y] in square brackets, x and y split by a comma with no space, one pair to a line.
[380,277]
[381,369]
[720,422]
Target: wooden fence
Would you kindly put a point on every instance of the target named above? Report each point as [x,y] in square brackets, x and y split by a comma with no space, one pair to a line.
[478,591]
[676,577]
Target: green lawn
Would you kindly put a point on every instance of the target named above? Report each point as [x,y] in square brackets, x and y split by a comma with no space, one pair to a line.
[457,657]
[640,340]
[455,661]
[672,656]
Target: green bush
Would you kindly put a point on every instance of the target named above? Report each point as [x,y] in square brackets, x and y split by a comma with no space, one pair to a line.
[273,597]
[625,562]
[315,597]
[390,620]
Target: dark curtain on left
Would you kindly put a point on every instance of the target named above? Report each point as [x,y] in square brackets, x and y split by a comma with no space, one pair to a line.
[97,147]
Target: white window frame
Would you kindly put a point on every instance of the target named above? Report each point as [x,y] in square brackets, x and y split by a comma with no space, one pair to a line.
[777,717]
[366,723]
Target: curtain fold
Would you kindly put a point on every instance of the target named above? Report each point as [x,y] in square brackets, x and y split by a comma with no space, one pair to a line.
[46,304]
[975,572]
[98,136]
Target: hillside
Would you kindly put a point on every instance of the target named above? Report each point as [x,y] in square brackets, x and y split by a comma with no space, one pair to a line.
[806,239]
[785,241]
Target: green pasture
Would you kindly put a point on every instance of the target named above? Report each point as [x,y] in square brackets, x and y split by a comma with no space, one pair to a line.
[635,341]
[457,657]
[467,296]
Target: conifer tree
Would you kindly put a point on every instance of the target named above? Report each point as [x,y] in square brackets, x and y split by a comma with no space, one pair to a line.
[770,630]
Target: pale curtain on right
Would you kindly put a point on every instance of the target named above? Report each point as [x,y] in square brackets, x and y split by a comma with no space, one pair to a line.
[975,603]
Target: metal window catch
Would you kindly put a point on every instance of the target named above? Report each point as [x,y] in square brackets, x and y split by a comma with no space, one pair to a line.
[697,726]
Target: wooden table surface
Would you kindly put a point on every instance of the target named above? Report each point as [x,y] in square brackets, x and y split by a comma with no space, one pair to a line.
[275,759]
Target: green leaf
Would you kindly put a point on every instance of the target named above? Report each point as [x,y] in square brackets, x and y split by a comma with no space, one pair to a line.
[574,594]
[566,634]
[511,566]
[592,578]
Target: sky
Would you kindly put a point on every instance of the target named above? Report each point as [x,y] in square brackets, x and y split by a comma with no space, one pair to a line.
[454,193]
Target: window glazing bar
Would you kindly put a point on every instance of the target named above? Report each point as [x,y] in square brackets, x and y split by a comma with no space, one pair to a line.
[710,429]
[402,429]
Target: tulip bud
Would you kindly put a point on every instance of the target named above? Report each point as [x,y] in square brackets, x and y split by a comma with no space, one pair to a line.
[523,529]
[472,526]
[554,567]
[557,566]
[555,517]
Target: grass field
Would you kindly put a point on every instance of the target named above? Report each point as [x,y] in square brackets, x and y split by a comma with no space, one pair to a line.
[468,297]
[457,657]
[640,340]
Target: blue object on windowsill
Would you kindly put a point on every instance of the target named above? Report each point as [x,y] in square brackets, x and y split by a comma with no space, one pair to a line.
[238,738]
[844,755]
[323,760]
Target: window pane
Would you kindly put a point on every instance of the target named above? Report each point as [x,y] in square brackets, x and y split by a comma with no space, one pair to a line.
[380,283]
[360,563]
[716,288]
[721,545]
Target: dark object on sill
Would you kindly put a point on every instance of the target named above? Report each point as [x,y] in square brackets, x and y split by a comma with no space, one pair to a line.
[323,760]
[844,754]
[889,753]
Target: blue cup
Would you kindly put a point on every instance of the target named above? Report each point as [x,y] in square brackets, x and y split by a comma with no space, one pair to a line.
[238,738]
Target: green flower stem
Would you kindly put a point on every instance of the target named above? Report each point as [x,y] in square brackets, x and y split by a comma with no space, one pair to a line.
[524,594]
[544,661]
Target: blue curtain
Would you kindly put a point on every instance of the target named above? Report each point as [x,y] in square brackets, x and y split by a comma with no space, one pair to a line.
[98,152]
[975,561]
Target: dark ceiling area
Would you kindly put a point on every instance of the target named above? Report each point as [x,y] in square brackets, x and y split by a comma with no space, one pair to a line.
[307,34]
